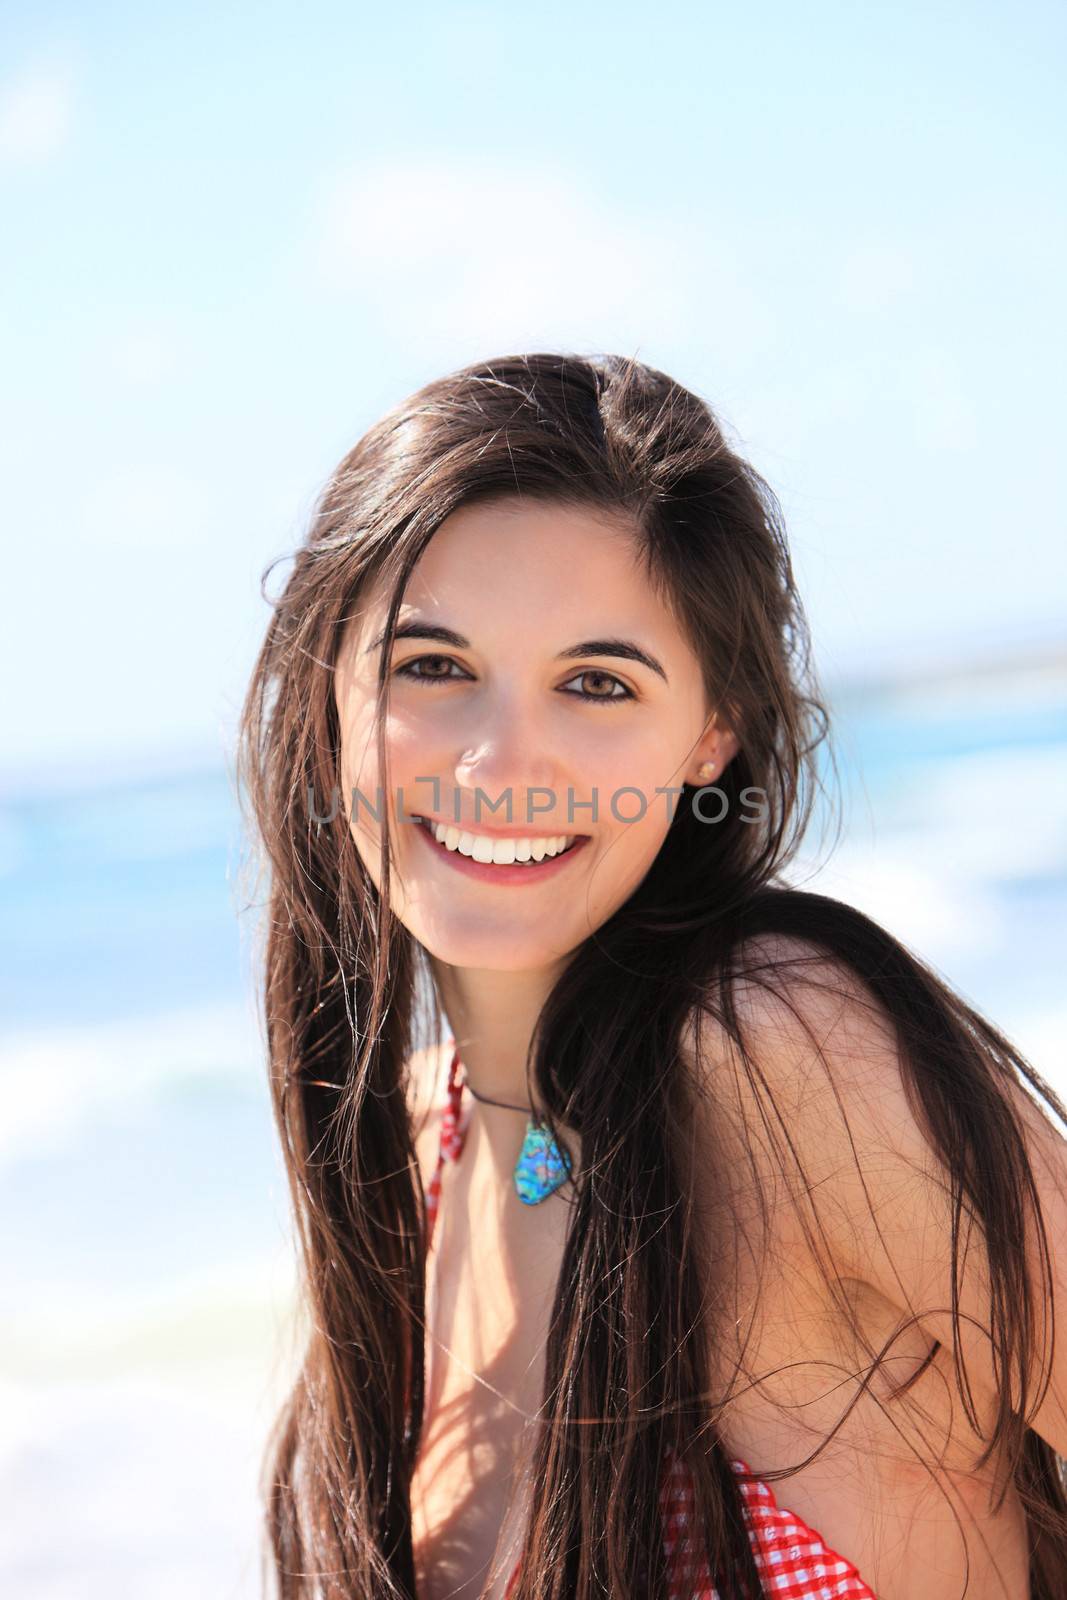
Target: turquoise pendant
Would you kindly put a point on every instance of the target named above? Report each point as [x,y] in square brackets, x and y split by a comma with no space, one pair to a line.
[542,1165]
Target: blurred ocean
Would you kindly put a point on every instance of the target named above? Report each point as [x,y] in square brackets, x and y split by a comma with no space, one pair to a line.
[145,1276]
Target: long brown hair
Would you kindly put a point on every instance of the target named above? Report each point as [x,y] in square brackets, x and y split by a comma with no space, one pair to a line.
[627,1373]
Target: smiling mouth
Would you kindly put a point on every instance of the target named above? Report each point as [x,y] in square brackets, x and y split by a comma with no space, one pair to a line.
[529,851]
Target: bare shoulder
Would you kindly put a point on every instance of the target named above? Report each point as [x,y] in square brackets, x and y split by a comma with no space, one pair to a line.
[818,1044]
[818,1094]
[821,1041]
[825,1085]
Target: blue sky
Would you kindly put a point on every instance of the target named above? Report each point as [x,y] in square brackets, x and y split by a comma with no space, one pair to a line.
[236,234]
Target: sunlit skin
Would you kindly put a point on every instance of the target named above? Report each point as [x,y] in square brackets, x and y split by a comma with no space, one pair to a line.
[522,582]
[498,708]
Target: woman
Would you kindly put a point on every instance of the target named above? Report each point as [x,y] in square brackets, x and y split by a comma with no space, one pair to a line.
[725,1261]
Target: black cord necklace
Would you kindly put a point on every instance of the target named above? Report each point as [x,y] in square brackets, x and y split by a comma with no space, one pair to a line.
[543,1164]
[484,1098]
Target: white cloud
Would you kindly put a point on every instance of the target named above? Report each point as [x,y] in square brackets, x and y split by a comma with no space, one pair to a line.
[488,255]
[943,413]
[145,353]
[148,505]
[874,276]
[36,108]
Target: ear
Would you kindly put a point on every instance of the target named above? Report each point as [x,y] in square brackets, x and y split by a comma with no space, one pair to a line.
[717,748]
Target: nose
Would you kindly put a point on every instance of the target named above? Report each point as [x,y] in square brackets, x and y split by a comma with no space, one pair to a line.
[510,756]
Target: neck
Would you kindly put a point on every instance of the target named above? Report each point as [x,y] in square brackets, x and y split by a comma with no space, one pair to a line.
[492,1015]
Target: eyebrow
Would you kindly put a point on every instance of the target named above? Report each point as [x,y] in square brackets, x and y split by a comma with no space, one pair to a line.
[623,649]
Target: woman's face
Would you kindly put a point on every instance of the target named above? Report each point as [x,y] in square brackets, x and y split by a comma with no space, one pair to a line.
[541,603]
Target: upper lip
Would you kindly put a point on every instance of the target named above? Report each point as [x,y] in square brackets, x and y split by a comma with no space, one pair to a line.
[531,831]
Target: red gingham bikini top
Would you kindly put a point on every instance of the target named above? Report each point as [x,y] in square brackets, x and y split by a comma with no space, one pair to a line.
[793,1560]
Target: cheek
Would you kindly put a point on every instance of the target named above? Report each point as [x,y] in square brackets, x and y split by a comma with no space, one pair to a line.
[359,753]
[630,832]
[632,847]
[411,748]
[366,785]
[359,777]
[630,775]
[629,842]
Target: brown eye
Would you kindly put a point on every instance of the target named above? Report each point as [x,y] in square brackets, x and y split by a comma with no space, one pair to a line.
[407,670]
[596,676]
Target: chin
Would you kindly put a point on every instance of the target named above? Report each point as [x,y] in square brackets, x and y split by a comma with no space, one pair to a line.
[491,949]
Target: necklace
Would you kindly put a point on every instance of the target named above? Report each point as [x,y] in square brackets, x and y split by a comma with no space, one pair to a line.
[484,1098]
[543,1163]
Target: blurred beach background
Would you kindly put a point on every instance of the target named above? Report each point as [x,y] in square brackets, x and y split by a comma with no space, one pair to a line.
[234,238]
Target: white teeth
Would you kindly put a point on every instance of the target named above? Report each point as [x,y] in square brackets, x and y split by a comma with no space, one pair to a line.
[502,852]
